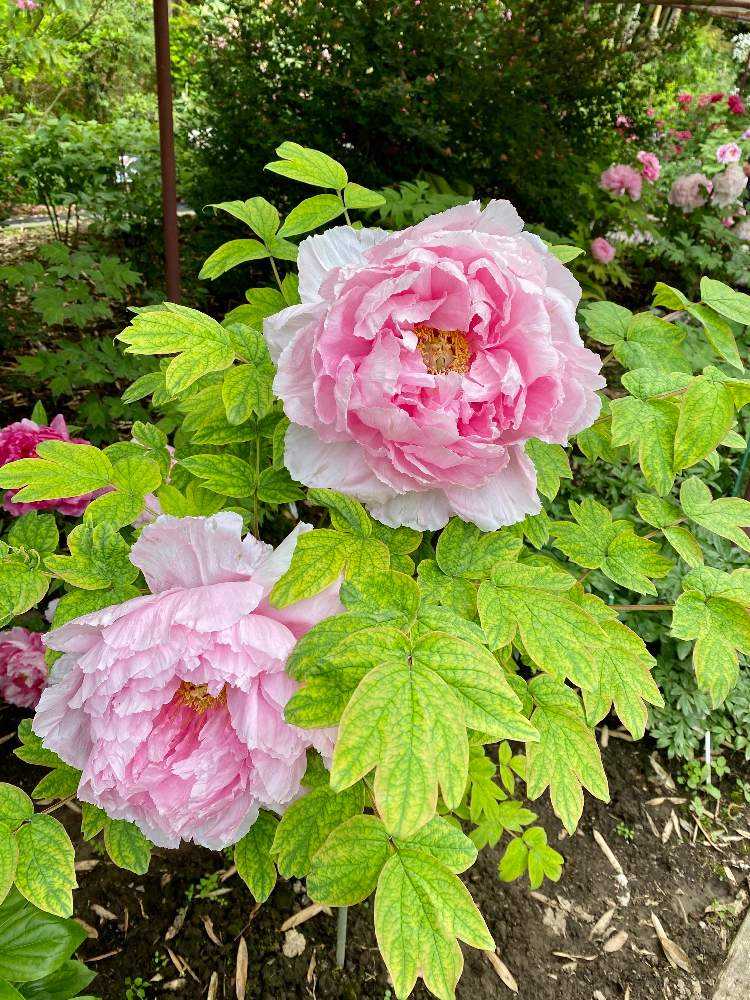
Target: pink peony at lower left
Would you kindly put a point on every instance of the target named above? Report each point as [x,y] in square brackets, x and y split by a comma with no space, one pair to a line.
[20,440]
[172,704]
[23,672]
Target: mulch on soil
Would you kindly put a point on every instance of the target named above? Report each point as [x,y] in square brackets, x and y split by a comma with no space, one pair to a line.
[175,931]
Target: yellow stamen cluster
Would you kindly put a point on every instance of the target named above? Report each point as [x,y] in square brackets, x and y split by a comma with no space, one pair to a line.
[197,697]
[443,351]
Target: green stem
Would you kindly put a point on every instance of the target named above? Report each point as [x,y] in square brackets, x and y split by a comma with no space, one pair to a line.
[276,274]
[255,491]
[739,482]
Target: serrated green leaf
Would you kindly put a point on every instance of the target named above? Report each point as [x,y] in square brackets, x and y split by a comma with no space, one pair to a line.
[652,427]
[706,416]
[441,590]
[607,322]
[421,908]
[8,861]
[99,559]
[127,846]
[34,531]
[252,856]
[307,823]
[566,759]
[309,166]
[383,597]
[551,464]
[224,474]
[246,390]
[15,805]
[276,486]
[726,516]
[346,867]
[685,544]
[62,470]
[352,512]
[45,873]
[466,552]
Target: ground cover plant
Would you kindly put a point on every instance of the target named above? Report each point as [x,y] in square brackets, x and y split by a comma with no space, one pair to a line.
[391,419]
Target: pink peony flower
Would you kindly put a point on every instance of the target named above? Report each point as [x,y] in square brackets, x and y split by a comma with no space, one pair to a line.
[729,185]
[26,4]
[736,104]
[23,672]
[420,362]
[687,192]
[730,152]
[684,99]
[742,230]
[684,133]
[172,704]
[602,250]
[746,134]
[20,440]
[651,165]
[622,179]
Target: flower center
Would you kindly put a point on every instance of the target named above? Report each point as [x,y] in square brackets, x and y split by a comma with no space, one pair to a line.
[197,697]
[443,350]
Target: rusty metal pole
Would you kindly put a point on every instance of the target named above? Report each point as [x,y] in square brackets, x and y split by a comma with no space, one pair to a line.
[166,146]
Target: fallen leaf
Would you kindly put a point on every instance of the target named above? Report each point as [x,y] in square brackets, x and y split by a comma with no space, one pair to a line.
[176,925]
[615,942]
[103,913]
[602,924]
[175,984]
[307,914]
[212,935]
[294,943]
[311,968]
[556,920]
[574,958]
[86,866]
[91,932]
[503,972]
[674,954]
[607,852]
[213,987]
[240,972]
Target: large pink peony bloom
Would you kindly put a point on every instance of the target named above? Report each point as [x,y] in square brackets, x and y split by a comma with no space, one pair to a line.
[651,165]
[729,185]
[172,704]
[622,179]
[20,440]
[690,192]
[23,672]
[420,362]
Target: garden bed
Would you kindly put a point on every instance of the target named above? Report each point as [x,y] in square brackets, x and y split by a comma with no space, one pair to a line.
[547,940]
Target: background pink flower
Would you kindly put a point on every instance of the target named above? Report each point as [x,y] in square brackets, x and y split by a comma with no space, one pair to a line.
[651,165]
[621,179]
[602,250]
[419,363]
[20,440]
[736,104]
[690,192]
[730,152]
[172,704]
[684,99]
[729,185]
[23,672]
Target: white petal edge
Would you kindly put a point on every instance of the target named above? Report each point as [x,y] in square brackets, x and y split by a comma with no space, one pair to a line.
[337,247]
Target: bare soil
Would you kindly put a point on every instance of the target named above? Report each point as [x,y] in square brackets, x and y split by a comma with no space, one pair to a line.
[545,939]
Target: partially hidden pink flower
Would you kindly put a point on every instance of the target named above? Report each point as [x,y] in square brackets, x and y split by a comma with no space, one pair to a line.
[26,4]
[684,99]
[746,134]
[621,179]
[683,134]
[729,185]
[23,672]
[730,152]
[651,165]
[20,440]
[736,104]
[690,191]
[419,363]
[172,704]
[602,250]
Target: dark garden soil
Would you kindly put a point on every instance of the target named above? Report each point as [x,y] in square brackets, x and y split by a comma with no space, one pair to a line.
[182,916]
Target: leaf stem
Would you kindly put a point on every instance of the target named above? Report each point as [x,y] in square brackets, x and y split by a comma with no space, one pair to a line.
[276,274]
[620,608]
[255,491]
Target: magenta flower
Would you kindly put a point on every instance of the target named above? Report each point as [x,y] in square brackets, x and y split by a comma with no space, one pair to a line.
[684,99]
[621,179]
[20,440]
[736,104]
[420,362]
[602,250]
[690,192]
[172,704]
[651,165]
[730,152]
[23,672]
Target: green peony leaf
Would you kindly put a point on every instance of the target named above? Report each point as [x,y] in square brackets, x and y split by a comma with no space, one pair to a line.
[257,213]
[60,783]
[311,213]
[726,301]
[345,869]
[308,166]
[127,846]
[8,860]
[246,391]
[252,856]
[230,255]
[566,759]
[530,854]
[607,322]
[551,464]
[464,551]
[651,342]
[356,196]
[34,531]
[68,980]
[726,516]
[706,417]
[62,470]
[15,805]
[223,474]
[31,751]
[353,516]
[276,486]
[307,823]
[421,908]
[685,544]
[651,426]
[99,558]
[33,943]
[384,596]
[449,592]
[45,873]
[718,333]
[93,820]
